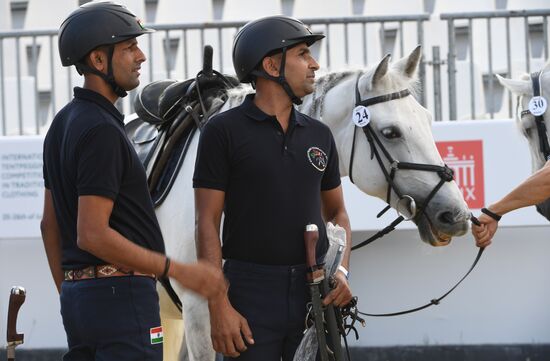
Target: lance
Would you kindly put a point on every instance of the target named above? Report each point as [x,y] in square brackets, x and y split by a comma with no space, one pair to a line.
[17,297]
[319,287]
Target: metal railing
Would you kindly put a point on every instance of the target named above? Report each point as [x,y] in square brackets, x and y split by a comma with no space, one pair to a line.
[175,51]
[34,85]
[530,18]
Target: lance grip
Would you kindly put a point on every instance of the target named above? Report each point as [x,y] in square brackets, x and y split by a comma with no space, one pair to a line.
[17,297]
[311,236]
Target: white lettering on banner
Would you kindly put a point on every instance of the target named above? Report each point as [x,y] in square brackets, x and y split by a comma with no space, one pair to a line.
[21,187]
[465,158]
[464,172]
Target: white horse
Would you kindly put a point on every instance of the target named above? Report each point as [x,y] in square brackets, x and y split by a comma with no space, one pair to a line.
[404,128]
[523,89]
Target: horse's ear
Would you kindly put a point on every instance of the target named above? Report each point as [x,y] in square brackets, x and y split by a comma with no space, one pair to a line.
[408,65]
[518,87]
[381,69]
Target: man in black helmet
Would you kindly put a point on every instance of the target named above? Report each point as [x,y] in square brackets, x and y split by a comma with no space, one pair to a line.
[271,170]
[102,239]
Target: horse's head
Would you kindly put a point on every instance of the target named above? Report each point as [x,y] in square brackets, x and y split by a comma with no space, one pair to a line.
[523,89]
[403,128]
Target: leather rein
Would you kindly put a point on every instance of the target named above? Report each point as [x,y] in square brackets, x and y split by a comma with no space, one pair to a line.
[445,174]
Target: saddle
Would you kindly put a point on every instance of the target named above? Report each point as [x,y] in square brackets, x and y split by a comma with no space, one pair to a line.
[169,112]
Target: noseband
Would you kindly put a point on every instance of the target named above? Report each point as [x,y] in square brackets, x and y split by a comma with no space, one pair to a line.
[539,115]
[445,173]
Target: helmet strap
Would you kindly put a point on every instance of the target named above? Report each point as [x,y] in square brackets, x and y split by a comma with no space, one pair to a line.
[109,78]
[280,79]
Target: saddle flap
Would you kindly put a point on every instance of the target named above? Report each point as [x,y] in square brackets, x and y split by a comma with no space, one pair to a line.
[145,133]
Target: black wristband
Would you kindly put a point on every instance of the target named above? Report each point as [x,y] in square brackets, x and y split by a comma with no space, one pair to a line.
[166,267]
[493,215]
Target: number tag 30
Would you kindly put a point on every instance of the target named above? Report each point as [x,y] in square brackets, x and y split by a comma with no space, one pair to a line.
[361,116]
[538,105]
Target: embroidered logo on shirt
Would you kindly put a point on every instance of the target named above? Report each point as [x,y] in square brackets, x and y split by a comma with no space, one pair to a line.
[156,335]
[317,158]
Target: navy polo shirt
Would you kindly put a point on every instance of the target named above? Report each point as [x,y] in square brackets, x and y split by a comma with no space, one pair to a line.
[87,152]
[272,181]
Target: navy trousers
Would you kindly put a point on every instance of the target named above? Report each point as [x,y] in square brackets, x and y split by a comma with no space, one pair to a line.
[113,318]
[273,300]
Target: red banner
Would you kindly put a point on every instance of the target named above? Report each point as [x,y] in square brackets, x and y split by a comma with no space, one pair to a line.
[466,159]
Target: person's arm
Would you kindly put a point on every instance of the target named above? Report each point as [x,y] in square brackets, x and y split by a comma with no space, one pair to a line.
[533,190]
[95,236]
[334,211]
[52,239]
[228,327]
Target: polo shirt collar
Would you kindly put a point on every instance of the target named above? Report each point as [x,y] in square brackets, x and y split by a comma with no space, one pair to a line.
[251,110]
[92,96]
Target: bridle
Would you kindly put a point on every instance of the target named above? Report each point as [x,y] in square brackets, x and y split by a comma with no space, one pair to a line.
[445,173]
[539,118]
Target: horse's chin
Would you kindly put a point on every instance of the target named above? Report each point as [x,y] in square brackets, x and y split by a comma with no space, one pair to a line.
[429,234]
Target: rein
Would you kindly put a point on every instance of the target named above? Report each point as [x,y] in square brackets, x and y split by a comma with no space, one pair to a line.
[445,173]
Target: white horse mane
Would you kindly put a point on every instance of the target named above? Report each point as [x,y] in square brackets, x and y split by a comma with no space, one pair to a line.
[323,84]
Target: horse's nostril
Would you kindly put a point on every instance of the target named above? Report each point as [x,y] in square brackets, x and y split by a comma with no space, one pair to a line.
[446,217]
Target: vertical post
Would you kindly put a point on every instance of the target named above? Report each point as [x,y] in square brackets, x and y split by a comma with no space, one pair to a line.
[36,96]
[346,41]
[491,75]
[451,69]
[167,53]
[422,67]
[365,59]
[509,61]
[545,35]
[19,85]
[150,56]
[401,40]
[185,53]
[436,63]
[52,78]
[220,49]
[327,44]
[527,47]
[2,88]
[472,79]
[382,39]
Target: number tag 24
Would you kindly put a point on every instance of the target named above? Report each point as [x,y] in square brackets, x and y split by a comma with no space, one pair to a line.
[361,116]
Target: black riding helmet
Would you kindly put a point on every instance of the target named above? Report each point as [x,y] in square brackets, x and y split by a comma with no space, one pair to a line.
[265,36]
[97,24]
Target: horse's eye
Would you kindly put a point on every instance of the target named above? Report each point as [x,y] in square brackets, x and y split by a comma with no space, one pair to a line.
[527,132]
[391,132]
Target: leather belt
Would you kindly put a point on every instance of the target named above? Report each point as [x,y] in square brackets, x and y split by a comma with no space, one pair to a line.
[102,271]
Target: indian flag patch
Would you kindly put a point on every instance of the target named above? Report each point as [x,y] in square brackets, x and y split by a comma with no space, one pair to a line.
[156,335]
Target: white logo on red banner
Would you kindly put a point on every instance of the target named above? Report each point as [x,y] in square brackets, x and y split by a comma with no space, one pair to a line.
[465,158]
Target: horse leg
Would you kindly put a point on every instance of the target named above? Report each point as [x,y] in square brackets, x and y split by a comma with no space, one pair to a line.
[197,327]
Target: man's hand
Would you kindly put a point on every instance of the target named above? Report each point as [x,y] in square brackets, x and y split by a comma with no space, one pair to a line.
[201,277]
[484,233]
[229,328]
[341,294]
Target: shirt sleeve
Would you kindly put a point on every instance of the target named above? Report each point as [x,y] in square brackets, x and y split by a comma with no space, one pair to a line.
[102,157]
[331,177]
[212,163]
